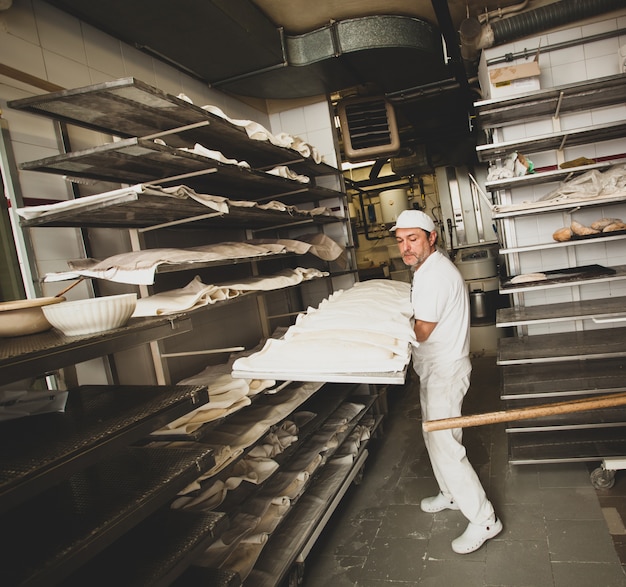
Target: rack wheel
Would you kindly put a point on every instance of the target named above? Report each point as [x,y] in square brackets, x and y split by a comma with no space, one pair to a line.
[601,478]
[296,575]
[358,478]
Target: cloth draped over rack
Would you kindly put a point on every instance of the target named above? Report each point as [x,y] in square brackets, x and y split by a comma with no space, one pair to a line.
[140,267]
[279,170]
[587,187]
[219,204]
[232,438]
[197,294]
[258,132]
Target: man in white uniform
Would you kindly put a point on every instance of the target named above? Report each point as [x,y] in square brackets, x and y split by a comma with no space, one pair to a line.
[441,359]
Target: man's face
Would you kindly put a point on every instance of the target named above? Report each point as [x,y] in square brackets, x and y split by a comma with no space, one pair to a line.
[415,245]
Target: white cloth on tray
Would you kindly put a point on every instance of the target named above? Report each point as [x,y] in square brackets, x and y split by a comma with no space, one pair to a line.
[258,132]
[217,203]
[365,329]
[139,267]
[197,294]
[199,149]
[284,171]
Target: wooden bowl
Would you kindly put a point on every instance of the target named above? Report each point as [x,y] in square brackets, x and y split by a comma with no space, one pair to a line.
[22,317]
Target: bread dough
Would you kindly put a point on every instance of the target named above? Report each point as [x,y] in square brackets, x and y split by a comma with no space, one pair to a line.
[582,230]
[528,277]
[604,222]
[614,226]
[562,234]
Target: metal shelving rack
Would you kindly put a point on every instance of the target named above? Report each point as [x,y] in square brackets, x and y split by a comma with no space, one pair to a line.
[139,114]
[541,367]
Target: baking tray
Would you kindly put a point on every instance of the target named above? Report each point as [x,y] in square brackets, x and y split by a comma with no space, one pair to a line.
[563,275]
[153,553]
[128,107]
[138,160]
[60,530]
[38,451]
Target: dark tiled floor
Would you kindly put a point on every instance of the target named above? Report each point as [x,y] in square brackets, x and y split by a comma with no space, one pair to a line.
[556,525]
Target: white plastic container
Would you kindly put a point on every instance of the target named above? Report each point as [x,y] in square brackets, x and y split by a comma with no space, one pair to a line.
[392,202]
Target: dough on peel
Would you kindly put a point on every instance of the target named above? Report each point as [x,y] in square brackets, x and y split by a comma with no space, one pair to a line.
[528,277]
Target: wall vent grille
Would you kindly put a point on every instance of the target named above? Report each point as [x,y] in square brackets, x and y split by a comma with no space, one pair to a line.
[368,127]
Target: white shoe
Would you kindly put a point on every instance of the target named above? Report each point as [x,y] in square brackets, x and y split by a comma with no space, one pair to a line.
[475,536]
[437,503]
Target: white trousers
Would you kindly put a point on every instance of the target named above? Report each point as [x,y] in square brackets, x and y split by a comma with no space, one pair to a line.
[442,389]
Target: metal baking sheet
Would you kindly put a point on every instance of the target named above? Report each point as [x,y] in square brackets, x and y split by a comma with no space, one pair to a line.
[137,160]
[155,552]
[604,91]
[558,140]
[563,275]
[563,311]
[563,380]
[55,533]
[565,446]
[22,356]
[39,451]
[139,210]
[128,108]
[602,343]
[391,378]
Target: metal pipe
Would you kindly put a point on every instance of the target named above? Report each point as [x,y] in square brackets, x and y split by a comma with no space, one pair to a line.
[474,36]
[500,12]
[549,16]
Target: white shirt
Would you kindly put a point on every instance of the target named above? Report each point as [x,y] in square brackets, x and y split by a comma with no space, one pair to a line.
[440,295]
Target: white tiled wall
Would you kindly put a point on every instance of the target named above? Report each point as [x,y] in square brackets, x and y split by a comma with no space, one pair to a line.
[573,64]
[313,123]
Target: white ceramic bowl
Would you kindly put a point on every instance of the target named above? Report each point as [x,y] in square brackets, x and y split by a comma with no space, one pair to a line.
[22,317]
[91,315]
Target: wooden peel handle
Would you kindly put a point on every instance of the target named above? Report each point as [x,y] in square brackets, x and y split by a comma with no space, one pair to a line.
[581,405]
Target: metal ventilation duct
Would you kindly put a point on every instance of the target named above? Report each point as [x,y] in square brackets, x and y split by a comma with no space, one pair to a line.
[388,52]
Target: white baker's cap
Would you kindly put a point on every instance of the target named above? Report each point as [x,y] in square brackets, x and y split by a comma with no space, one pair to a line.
[414,219]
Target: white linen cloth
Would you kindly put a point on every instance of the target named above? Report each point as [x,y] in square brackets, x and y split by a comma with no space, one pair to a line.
[199,149]
[318,244]
[197,294]
[365,329]
[231,438]
[258,132]
[241,525]
[276,441]
[139,267]
[592,185]
[250,470]
[227,395]
[284,171]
